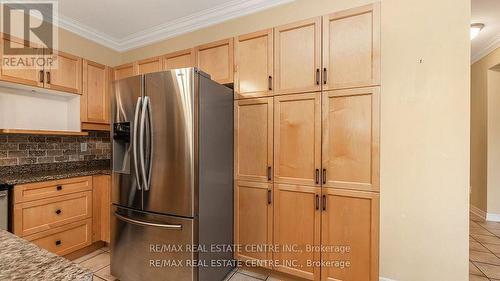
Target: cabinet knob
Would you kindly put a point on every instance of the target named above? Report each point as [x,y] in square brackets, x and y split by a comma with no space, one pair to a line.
[59,187]
[58,211]
[58,242]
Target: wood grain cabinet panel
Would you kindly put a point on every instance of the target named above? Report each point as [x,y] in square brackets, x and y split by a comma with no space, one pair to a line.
[350,233]
[351,48]
[124,71]
[253,220]
[66,74]
[95,103]
[297,227]
[101,205]
[65,239]
[253,139]
[180,59]
[351,139]
[297,139]
[27,76]
[49,189]
[40,215]
[253,55]
[216,59]
[149,65]
[297,52]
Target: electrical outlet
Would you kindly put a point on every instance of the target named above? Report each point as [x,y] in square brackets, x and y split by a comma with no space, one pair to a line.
[83,146]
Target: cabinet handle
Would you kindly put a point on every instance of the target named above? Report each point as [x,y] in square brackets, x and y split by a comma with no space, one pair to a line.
[40,76]
[269,197]
[269,173]
[324,176]
[324,76]
[58,211]
[58,242]
[324,203]
[317,202]
[317,176]
[59,187]
[270,82]
[48,77]
[317,76]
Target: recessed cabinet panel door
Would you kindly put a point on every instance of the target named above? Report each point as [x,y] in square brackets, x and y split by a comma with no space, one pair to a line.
[95,101]
[297,229]
[179,59]
[66,75]
[216,59]
[254,139]
[124,71]
[351,139]
[253,220]
[350,230]
[351,48]
[254,64]
[297,139]
[27,76]
[149,65]
[298,56]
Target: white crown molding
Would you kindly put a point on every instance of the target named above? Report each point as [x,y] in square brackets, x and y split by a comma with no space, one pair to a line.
[205,18]
[493,45]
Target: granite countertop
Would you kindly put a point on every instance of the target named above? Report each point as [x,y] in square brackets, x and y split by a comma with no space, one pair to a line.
[46,172]
[22,260]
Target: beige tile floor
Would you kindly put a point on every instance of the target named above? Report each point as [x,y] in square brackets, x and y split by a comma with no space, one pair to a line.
[484,250]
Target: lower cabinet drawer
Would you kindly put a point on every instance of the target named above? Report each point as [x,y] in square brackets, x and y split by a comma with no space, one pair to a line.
[41,215]
[65,239]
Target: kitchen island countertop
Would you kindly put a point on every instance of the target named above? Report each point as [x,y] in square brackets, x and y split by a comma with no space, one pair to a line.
[22,260]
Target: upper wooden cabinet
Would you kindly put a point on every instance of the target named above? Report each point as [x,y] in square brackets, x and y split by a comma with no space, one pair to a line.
[253,214]
[67,75]
[351,48]
[297,139]
[124,71]
[149,65]
[27,76]
[95,107]
[216,59]
[180,59]
[297,52]
[253,138]
[253,56]
[351,139]
[350,219]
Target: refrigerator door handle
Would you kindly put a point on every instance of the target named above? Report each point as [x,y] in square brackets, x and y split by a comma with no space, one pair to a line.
[141,143]
[134,142]
[150,124]
[143,223]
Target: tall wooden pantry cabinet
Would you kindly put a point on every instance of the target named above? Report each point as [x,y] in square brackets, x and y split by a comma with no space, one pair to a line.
[307,146]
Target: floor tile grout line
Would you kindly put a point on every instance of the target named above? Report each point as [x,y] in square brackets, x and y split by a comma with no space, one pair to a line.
[485,248]
[253,276]
[91,256]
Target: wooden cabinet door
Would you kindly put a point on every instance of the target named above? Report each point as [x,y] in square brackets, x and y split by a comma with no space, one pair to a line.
[95,98]
[297,227]
[180,59]
[253,55]
[351,48]
[253,211]
[253,139]
[149,65]
[351,138]
[32,76]
[350,230]
[124,71]
[216,59]
[101,203]
[66,75]
[297,52]
[297,139]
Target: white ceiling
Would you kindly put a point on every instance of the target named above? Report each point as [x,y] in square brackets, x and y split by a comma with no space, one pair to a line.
[487,12]
[124,25]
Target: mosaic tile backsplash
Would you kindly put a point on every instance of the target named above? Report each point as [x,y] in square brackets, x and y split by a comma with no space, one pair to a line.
[34,149]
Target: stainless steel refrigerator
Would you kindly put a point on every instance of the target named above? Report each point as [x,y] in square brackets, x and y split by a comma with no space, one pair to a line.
[172,181]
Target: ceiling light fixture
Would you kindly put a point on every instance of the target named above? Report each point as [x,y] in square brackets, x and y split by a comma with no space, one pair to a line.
[475,28]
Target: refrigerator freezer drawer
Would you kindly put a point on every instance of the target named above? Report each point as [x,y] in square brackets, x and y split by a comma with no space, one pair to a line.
[148,246]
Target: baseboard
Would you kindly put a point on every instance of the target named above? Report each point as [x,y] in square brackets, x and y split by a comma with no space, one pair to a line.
[386,279]
[493,217]
[478,212]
